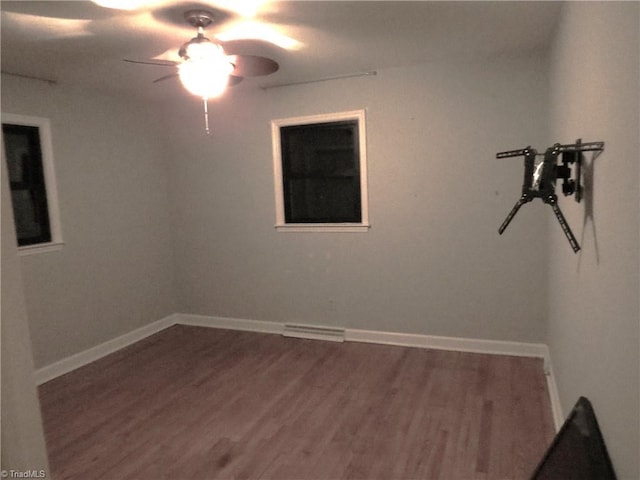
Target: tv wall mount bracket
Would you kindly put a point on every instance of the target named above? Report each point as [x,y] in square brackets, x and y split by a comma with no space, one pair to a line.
[542,171]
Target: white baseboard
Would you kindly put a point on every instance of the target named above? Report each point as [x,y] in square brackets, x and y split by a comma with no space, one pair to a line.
[229,323]
[458,344]
[493,347]
[78,360]
[554,396]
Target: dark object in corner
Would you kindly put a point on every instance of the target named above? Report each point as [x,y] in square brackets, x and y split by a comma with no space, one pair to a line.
[578,451]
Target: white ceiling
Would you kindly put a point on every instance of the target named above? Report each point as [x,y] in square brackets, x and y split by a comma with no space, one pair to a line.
[80,42]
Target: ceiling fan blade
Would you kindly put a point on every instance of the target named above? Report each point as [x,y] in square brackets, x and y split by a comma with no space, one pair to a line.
[166,77]
[253,65]
[160,63]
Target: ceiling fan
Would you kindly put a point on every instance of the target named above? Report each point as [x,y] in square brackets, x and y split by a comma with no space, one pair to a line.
[205,68]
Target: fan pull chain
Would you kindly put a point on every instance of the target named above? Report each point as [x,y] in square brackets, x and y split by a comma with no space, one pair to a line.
[206,116]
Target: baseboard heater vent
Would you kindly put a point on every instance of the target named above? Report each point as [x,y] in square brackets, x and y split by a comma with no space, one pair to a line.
[314,333]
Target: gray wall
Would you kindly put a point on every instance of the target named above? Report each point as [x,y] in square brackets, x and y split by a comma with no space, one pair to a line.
[115,272]
[594,318]
[432,263]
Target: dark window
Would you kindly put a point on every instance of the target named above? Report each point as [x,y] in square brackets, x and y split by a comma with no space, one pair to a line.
[321,173]
[26,177]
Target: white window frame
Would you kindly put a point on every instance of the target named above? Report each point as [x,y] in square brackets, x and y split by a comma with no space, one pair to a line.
[281,224]
[46,147]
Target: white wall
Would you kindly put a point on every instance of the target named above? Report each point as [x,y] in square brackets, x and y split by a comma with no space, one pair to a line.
[594,317]
[23,446]
[432,262]
[115,272]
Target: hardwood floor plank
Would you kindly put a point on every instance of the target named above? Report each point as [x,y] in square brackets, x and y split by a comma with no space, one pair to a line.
[198,403]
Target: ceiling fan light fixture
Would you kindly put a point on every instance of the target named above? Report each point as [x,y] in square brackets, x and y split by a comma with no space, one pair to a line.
[206,79]
[205,68]
[202,49]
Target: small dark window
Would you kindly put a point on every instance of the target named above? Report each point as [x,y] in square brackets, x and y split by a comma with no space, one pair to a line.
[27,180]
[321,173]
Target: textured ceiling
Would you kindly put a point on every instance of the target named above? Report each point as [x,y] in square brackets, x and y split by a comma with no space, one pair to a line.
[78,42]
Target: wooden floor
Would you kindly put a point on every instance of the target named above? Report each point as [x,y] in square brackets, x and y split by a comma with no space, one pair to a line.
[200,403]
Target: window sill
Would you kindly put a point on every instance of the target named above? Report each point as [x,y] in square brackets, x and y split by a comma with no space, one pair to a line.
[323,227]
[40,248]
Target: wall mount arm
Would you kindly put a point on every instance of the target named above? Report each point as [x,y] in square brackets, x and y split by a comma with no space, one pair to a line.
[541,175]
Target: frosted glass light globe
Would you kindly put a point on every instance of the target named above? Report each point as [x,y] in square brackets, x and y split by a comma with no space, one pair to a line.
[206,69]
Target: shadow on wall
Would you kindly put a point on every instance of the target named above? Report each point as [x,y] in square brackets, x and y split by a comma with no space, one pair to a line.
[588,195]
